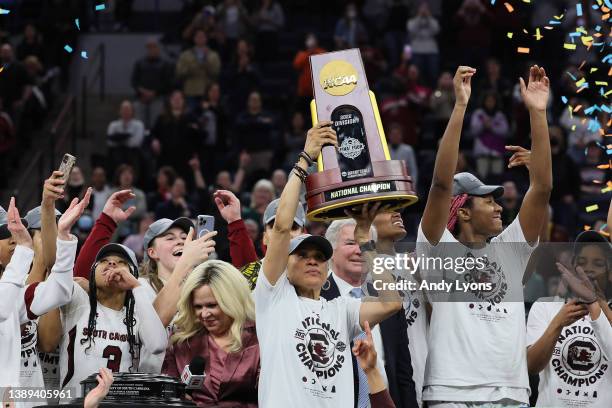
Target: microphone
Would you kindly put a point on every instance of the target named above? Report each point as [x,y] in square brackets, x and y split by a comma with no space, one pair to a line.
[193,374]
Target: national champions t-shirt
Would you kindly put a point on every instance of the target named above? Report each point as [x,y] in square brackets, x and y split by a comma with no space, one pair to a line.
[578,374]
[305,347]
[477,349]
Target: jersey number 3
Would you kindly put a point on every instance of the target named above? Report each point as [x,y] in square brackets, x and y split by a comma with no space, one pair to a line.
[113,354]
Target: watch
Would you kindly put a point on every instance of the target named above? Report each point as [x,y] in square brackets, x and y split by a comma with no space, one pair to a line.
[368,246]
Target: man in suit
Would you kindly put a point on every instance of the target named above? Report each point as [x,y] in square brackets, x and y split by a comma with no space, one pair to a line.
[391,341]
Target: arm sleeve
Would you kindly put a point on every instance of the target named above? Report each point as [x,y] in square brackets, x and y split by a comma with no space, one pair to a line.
[56,291]
[13,280]
[537,322]
[99,236]
[152,332]
[603,332]
[242,250]
[405,382]
[382,399]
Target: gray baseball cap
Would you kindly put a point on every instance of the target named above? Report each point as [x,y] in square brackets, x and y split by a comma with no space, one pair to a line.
[320,242]
[467,183]
[4,231]
[119,250]
[161,226]
[33,217]
[270,213]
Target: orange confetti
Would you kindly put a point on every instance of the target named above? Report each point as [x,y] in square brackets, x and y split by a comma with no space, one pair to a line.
[605,16]
[582,88]
[581,65]
[603,166]
[577,108]
[587,227]
[509,7]
[523,50]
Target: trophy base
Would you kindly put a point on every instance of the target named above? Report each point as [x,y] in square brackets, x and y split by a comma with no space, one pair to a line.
[328,197]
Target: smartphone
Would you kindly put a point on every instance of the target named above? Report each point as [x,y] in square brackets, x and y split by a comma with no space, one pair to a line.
[68,162]
[206,224]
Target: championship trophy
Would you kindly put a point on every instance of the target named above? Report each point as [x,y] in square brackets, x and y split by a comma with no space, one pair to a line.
[361,170]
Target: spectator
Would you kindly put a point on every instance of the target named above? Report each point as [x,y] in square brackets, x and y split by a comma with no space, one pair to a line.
[417,100]
[216,321]
[489,128]
[256,132]
[402,151]
[75,187]
[566,183]
[152,78]
[350,31]
[269,19]
[422,30]
[578,128]
[301,63]
[223,180]
[15,85]
[203,20]
[101,191]
[510,202]
[233,19]
[243,75]
[7,143]
[177,206]
[473,35]
[175,136]
[279,180]
[494,82]
[136,241]
[294,139]
[252,228]
[164,181]
[197,68]
[262,194]
[124,138]
[32,44]
[442,102]
[124,180]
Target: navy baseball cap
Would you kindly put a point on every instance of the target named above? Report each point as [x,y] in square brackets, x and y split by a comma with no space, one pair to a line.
[119,250]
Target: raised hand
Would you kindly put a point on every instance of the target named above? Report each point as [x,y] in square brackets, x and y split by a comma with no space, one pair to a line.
[122,279]
[462,83]
[20,234]
[579,283]
[535,93]
[113,207]
[71,215]
[53,188]
[197,251]
[364,350]
[319,135]
[228,205]
[95,396]
[520,157]
[364,217]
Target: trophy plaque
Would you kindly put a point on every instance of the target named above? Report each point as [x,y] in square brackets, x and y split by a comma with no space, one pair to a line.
[361,170]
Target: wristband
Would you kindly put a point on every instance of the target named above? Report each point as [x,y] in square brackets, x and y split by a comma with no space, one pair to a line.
[306,157]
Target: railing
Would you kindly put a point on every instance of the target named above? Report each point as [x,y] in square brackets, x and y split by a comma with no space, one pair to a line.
[98,57]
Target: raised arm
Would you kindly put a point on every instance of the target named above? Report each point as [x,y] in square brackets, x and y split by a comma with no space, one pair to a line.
[194,253]
[435,216]
[277,253]
[11,282]
[103,230]
[388,301]
[535,204]
[53,190]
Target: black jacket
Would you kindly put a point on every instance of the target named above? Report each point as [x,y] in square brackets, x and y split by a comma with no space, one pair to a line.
[398,365]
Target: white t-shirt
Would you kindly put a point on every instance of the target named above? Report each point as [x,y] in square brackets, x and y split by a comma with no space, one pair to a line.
[304,346]
[111,348]
[30,373]
[579,373]
[477,350]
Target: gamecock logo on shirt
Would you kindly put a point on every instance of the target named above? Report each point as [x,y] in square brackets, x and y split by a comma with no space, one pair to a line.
[319,347]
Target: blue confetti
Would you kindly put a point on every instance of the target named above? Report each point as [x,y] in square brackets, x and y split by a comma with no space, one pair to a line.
[554,22]
[492,2]
[100,7]
[606,58]
[4,11]
[76,22]
[84,54]
[598,28]
[571,76]
[608,4]
[609,151]
[564,100]
[578,9]
[68,48]
[594,125]
[606,108]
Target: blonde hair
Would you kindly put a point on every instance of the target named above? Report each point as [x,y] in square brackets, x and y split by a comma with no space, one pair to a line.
[148,269]
[231,290]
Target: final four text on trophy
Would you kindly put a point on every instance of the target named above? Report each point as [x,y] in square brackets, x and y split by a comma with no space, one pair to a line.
[361,170]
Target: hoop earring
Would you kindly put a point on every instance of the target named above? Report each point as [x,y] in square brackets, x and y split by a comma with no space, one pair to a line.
[326,285]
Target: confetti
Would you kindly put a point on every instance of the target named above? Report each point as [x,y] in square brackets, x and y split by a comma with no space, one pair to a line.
[100,7]
[587,227]
[76,22]
[605,83]
[578,9]
[592,208]
[492,2]
[577,108]
[4,11]
[564,100]
[84,54]
[593,70]
[523,50]
[1,69]
[569,46]
[509,35]
[509,7]
[68,48]
[538,36]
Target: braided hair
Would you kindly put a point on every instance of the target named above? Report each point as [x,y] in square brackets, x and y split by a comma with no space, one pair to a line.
[129,320]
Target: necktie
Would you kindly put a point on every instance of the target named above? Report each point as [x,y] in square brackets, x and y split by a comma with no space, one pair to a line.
[363,397]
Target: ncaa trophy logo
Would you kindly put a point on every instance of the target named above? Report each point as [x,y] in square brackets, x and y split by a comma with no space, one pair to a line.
[361,170]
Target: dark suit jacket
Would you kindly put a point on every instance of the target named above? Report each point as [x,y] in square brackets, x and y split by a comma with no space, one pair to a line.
[398,365]
[240,374]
